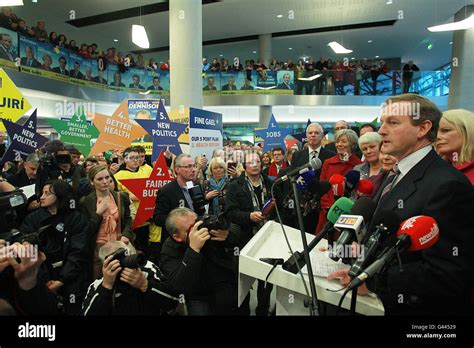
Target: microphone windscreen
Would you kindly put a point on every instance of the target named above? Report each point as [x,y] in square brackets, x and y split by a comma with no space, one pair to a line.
[365,207]
[389,219]
[315,164]
[305,180]
[342,206]
[352,178]
[364,188]
[423,231]
[324,187]
[338,184]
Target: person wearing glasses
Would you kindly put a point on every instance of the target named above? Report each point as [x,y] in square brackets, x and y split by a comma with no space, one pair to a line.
[175,194]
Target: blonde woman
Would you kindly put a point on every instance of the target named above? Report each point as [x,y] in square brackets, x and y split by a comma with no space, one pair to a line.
[215,186]
[108,211]
[455,141]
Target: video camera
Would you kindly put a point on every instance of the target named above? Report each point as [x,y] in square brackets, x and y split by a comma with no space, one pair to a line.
[9,201]
[53,161]
[128,261]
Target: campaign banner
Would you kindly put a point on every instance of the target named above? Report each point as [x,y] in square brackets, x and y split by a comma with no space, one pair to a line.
[135,79]
[115,78]
[77,68]
[8,48]
[12,103]
[45,58]
[211,83]
[266,79]
[91,74]
[158,82]
[29,55]
[229,82]
[285,79]
[205,132]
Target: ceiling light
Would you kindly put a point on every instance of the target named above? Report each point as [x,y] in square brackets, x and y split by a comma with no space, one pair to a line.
[290,48]
[254,52]
[115,40]
[11,2]
[370,41]
[338,48]
[461,25]
[221,55]
[352,58]
[430,46]
[450,42]
[280,16]
[139,36]
[377,56]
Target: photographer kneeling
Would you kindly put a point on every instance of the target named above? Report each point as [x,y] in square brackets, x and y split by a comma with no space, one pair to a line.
[198,265]
[130,285]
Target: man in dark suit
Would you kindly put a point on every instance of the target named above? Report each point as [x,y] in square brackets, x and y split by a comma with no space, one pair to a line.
[285,84]
[6,47]
[100,77]
[230,86]
[30,59]
[437,280]
[314,134]
[76,73]
[61,69]
[210,84]
[136,83]
[156,85]
[175,194]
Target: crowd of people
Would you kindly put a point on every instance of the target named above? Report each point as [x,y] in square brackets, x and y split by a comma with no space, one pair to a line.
[183,259]
[322,77]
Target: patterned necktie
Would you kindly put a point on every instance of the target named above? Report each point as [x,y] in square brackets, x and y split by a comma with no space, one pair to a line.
[392,175]
[313,154]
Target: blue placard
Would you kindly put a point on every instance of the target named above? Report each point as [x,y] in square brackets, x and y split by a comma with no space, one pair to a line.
[205,119]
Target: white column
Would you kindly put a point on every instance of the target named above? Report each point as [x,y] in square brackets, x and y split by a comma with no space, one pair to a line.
[265,48]
[264,115]
[185,54]
[461,90]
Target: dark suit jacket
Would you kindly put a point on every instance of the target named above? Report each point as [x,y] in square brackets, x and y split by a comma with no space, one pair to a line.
[58,70]
[168,198]
[301,157]
[227,87]
[152,88]
[207,88]
[79,75]
[133,86]
[436,280]
[98,80]
[34,62]
[89,206]
[285,86]
[4,54]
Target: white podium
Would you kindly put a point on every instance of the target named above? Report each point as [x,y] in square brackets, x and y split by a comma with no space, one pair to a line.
[269,242]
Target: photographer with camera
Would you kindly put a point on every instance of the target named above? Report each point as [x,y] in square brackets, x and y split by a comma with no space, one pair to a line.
[131,285]
[198,264]
[244,202]
[63,234]
[176,194]
[55,163]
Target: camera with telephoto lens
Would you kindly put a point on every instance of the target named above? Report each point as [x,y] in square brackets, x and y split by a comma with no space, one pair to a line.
[214,222]
[199,201]
[128,261]
[52,161]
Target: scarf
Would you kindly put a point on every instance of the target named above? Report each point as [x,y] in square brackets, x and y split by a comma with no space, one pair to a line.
[109,221]
[213,185]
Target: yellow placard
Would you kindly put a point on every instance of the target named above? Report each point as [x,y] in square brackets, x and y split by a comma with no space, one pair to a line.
[12,103]
[181,116]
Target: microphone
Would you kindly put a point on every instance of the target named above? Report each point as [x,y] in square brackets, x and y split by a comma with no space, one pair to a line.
[416,233]
[352,178]
[314,164]
[352,225]
[338,184]
[386,223]
[305,180]
[342,206]
[364,188]
[268,207]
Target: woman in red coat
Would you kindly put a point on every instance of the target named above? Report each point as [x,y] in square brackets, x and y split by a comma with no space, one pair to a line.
[343,162]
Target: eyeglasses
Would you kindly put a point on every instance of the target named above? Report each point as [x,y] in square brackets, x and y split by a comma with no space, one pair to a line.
[134,158]
[190,166]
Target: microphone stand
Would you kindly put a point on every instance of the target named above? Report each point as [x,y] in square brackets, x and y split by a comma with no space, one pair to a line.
[314,296]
